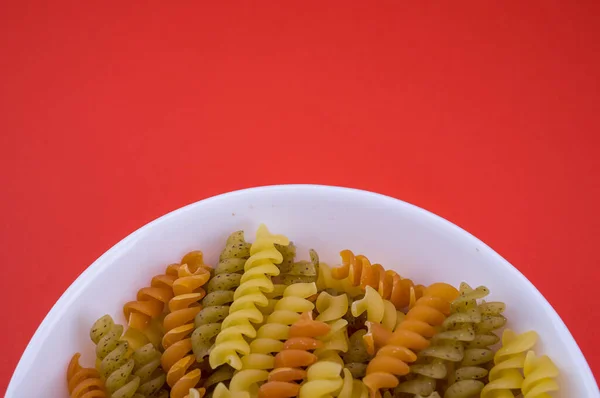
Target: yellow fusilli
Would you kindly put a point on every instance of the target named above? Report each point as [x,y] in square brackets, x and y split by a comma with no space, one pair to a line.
[271,336]
[255,282]
[331,310]
[508,364]
[323,380]
[377,309]
[540,376]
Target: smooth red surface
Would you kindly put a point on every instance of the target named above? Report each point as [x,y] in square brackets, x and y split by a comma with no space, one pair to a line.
[482,112]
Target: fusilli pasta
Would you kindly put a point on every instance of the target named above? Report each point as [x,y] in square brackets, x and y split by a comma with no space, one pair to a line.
[448,348]
[246,330]
[115,362]
[360,272]
[471,324]
[392,359]
[178,358]
[508,364]
[331,310]
[84,382]
[151,301]
[323,380]
[215,306]
[377,309]
[540,374]
[270,337]
[255,282]
[147,367]
[219,294]
[295,356]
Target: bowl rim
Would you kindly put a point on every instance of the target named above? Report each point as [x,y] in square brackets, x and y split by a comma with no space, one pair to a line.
[88,274]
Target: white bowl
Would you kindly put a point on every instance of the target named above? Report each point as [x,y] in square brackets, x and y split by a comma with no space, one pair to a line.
[414,242]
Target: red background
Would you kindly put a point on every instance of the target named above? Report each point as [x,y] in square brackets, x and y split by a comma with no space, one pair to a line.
[114,114]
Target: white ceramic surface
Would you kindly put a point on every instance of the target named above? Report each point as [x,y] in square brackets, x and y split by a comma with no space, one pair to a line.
[398,235]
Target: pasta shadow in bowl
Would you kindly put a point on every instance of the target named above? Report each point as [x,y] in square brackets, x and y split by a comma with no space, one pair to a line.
[266,305]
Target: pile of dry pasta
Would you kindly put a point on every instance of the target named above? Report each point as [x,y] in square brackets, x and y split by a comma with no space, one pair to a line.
[261,324]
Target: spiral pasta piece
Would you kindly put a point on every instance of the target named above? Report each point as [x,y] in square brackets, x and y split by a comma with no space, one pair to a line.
[359,271]
[509,362]
[147,367]
[376,307]
[115,363]
[246,330]
[296,355]
[84,382]
[331,310]
[411,335]
[270,337]
[448,348]
[255,282]
[323,380]
[540,374]
[151,300]
[219,294]
[491,320]
[471,326]
[178,359]
[215,305]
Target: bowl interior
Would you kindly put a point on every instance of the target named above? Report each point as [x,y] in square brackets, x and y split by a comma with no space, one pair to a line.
[400,236]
